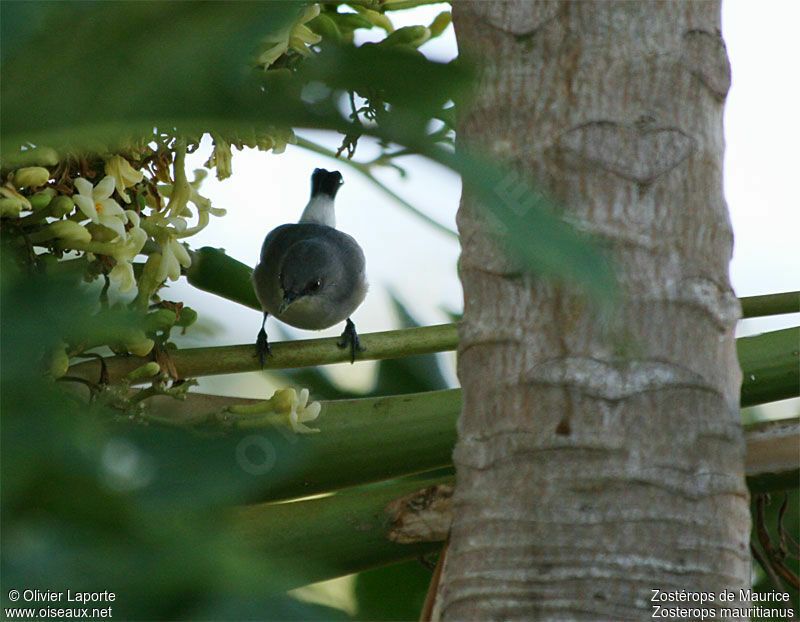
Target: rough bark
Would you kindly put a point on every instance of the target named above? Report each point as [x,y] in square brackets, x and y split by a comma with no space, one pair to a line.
[599,459]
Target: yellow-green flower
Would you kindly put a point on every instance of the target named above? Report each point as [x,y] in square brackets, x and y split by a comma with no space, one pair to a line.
[297,37]
[31,176]
[69,231]
[124,175]
[203,204]
[125,252]
[10,207]
[96,203]
[11,201]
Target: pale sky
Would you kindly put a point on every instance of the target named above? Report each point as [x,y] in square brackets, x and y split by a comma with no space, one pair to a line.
[419,264]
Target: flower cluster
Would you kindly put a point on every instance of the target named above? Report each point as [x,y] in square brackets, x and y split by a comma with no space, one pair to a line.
[123,225]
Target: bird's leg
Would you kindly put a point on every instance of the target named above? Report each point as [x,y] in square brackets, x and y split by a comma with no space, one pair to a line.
[350,338]
[262,345]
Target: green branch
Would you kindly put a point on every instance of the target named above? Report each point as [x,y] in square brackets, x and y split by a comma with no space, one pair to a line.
[319,539]
[770,362]
[770,304]
[368,440]
[215,272]
[770,366]
[212,361]
[376,439]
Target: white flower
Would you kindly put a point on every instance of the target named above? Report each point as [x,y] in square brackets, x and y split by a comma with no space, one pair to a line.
[96,203]
[301,411]
[124,175]
[133,217]
[285,406]
[173,256]
[124,254]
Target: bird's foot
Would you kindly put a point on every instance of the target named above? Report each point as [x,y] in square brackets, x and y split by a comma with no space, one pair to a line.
[350,338]
[262,347]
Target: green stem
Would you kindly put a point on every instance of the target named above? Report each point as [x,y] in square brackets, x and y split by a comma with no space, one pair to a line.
[770,366]
[214,271]
[376,439]
[368,440]
[770,304]
[319,539]
[770,362]
[196,362]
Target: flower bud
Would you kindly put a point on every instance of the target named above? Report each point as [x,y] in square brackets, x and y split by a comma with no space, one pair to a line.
[326,27]
[377,19]
[10,207]
[42,199]
[413,36]
[70,231]
[440,24]
[61,206]
[187,317]
[161,319]
[137,342]
[31,176]
[42,156]
[59,363]
[148,370]
[101,233]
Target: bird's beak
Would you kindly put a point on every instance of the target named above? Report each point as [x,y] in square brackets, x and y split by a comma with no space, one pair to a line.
[288,299]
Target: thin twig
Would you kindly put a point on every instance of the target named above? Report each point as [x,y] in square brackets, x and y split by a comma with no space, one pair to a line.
[364,169]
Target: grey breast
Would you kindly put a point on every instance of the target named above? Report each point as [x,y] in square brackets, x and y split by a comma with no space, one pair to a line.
[339,302]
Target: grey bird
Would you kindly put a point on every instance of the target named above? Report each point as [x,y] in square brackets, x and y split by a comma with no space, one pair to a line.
[311,275]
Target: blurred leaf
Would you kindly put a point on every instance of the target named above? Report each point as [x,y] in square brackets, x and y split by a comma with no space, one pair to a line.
[104,72]
[100,71]
[89,504]
[410,374]
[394,592]
[526,223]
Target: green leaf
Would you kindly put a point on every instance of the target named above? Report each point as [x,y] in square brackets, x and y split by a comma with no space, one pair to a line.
[394,592]
[91,504]
[410,374]
[526,224]
[83,72]
[770,366]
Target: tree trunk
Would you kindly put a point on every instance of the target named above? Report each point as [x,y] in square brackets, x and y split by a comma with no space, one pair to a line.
[597,459]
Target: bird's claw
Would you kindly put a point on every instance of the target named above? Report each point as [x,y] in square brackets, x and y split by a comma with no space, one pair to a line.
[350,338]
[262,347]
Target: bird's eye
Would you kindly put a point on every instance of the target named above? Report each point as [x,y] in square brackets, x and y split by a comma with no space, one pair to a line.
[314,286]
